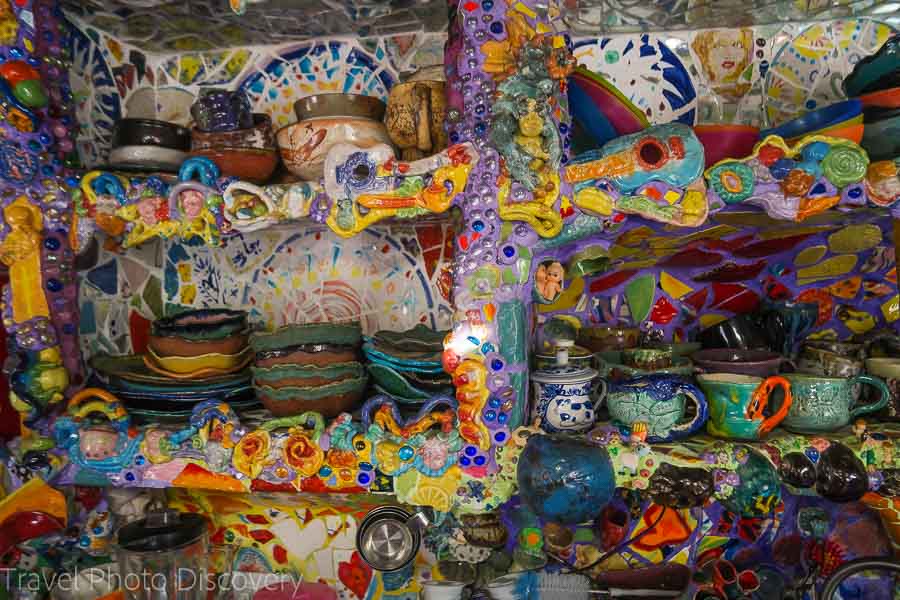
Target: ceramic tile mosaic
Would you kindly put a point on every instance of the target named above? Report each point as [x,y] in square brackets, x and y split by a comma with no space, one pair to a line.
[741,260]
[388,278]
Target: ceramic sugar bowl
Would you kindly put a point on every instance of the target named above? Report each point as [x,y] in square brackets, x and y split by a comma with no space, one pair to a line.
[563,393]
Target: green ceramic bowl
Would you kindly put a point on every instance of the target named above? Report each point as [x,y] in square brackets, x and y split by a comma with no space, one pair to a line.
[330,400]
[680,366]
[281,376]
[202,325]
[342,334]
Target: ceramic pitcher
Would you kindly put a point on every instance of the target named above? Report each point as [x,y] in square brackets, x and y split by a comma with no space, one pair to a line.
[659,402]
[829,403]
[737,402]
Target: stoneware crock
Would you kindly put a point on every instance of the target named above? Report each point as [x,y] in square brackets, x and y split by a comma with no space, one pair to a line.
[563,394]
[736,404]
[823,404]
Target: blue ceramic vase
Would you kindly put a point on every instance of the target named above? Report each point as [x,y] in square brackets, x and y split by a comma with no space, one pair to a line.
[565,480]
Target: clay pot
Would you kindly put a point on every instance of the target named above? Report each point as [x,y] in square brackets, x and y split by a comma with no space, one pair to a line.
[178,346]
[259,136]
[248,164]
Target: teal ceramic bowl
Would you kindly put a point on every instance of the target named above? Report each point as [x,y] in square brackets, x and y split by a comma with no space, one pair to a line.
[335,334]
[617,372]
[881,139]
[281,376]
[329,400]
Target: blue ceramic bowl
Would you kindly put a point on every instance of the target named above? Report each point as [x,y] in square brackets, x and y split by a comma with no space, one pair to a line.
[818,119]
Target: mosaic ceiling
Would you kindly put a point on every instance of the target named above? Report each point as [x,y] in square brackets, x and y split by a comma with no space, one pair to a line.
[158,26]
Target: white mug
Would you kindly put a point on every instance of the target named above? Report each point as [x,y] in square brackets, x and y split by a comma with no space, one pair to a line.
[442,590]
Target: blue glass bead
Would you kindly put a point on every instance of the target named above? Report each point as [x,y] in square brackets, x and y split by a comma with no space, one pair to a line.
[494,402]
[480,128]
[813,454]
[139,460]
[496,364]
[478,226]
[479,110]
[509,251]
[406,453]
[563,128]
[782,167]
[54,285]
[487,5]
[365,466]
[45,138]
[454,138]
[819,188]
[129,476]
[325,471]
[16,52]
[47,170]
[497,27]
[51,244]
[855,192]
[500,437]
[363,478]
[502,418]
[490,415]
[84,541]
[465,461]
[480,460]
[34,62]
[34,145]
[487,348]
[471,450]
[99,530]
[473,339]
[71,181]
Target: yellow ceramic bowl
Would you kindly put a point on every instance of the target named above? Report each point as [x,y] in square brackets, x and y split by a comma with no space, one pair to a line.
[190,364]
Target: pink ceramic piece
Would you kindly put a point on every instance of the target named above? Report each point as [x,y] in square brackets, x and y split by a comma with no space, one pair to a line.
[288,590]
[98,443]
[726,141]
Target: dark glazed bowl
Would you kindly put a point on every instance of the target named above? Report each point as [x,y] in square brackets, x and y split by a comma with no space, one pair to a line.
[866,74]
[759,363]
[260,135]
[339,105]
[148,132]
[203,324]
[742,332]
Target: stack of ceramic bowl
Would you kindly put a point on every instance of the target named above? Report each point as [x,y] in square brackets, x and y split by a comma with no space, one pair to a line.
[199,344]
[148,145]
[406,365]
[876,81]
[311,367]
[241,143]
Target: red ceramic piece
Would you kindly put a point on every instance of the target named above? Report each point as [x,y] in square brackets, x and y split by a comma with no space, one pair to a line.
[612,280]
[731,271]
[263,536]
[729,245]
[139,328]
[770,247]
[663,312]
[775,290]
[823,299]
[697,299]
[692,257]
[734,297]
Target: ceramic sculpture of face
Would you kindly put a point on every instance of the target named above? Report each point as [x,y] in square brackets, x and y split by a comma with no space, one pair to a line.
[192,203]
[147,210]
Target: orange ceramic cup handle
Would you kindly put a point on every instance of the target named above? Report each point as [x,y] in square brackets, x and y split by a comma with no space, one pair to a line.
[761,399]
[96,400]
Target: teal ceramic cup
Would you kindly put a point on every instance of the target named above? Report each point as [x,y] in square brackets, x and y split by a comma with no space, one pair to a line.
[824,404]
[737,404]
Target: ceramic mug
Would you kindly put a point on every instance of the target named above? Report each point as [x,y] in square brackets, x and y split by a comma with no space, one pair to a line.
[816,361]
[442,590]
[829,403]
[659,402]
[889,370]
[736,404]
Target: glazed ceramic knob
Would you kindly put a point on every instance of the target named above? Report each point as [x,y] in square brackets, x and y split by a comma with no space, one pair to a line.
[563,347]
[798,470]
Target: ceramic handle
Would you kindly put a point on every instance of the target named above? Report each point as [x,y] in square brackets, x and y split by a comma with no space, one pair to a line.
[699,399]
[761,399]
[96,400]
[878,384]
[599,396]
[304,420]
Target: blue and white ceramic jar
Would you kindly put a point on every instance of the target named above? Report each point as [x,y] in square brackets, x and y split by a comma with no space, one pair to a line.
[565,394]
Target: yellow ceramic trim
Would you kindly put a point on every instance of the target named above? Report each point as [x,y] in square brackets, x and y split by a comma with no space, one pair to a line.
[472,397]
[540,214]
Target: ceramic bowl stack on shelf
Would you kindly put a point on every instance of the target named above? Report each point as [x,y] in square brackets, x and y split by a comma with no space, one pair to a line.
[311,367]
[406,365]
[199,344]
[241,143]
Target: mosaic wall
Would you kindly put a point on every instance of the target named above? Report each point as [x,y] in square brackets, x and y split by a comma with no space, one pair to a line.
[112,78]
[844,262]
[388,278]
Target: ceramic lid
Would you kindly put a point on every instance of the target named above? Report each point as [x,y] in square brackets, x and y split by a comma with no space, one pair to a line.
[563,371]
[575,352]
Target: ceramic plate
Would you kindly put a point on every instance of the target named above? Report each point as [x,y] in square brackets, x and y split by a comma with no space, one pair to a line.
[414,359]
[808,72]
[646,72]
[131,368]
[421,338]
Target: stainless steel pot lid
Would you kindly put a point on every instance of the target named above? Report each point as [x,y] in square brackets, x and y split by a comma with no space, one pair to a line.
[388,538]
[162,531]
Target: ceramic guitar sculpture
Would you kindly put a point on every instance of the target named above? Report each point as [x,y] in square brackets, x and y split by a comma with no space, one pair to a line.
[656,173]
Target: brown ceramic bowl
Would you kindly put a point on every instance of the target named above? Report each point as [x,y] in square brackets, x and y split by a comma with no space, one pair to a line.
[179,346]
[260,136]
[248,164]
[330,400]
[344,105]
[305,358]
[759,363]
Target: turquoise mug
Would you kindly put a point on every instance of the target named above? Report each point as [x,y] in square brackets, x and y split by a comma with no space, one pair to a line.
[736,404]
[823,404]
